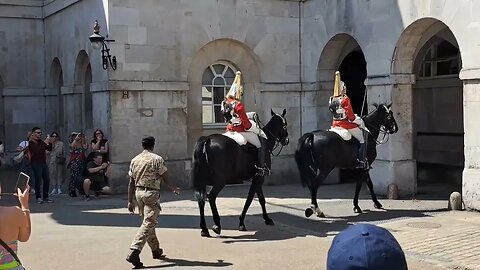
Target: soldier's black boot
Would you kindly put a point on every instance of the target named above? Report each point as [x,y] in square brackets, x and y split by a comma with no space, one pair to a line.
[362,157]
[157,254]
[262,167]
[134,258]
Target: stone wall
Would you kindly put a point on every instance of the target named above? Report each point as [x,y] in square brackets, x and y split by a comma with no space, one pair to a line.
[22,69]
[287,50]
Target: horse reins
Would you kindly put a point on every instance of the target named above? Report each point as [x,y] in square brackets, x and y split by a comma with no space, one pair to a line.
[380,130]
[277,140]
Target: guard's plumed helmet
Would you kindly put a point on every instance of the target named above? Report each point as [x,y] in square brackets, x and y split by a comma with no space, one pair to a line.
[339,88]
[236,90]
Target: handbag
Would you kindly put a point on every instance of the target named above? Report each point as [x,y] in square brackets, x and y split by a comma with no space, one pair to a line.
[19,157]
[7,248]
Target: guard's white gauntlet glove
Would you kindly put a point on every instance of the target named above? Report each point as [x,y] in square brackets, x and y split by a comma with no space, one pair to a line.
[358,120]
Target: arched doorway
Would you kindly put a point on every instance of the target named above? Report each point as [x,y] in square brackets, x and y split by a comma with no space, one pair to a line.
[87,100]
[343,53]
[353,70]
[432,98]
[438,111]
[83,79]
[56,78]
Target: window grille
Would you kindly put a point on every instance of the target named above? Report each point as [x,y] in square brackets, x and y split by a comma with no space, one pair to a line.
[441,59]
[216,81]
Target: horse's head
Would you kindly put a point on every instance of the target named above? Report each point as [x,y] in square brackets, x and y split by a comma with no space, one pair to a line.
[388,121]
[277,126]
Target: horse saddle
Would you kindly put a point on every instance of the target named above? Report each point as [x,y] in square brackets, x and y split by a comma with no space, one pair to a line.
[242,138]
[341,132]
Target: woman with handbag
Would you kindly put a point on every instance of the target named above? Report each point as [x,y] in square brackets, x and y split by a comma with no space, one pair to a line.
[14,226]
[56,164]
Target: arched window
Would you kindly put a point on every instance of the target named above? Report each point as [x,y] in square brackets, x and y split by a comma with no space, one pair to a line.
[216,82]
[442,58]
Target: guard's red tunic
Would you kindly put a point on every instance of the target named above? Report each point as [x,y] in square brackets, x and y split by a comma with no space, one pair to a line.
[345,123]
[239,109]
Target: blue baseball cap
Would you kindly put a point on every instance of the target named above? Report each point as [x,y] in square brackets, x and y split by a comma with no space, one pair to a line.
[365,246]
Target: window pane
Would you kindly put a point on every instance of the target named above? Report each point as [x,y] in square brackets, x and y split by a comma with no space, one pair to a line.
[229,76]
[207,95]
[427,69]
[207,77]
[207,114]
[447,67]
[446,49]
[218,81]
[218,115]
[218,95]
[429,54]
[219,69]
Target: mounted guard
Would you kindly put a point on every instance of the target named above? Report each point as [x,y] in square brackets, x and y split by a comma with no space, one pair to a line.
[344,118]
[243,127]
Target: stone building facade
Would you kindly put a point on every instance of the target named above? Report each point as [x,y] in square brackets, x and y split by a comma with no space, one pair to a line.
[176,58]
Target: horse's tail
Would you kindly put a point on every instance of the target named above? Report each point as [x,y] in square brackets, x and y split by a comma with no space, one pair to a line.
[303,157]
[200,171]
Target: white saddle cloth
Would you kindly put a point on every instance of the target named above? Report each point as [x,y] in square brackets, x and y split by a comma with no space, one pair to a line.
[342,132]
[251,136]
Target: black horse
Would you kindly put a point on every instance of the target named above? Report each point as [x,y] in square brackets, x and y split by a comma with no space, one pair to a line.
[218,160]
[319,152]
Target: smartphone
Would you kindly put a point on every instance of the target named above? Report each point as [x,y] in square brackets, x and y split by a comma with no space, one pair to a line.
[22,182]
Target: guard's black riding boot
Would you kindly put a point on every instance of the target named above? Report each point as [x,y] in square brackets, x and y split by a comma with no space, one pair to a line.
[362,157]
[134,258]
[262,168]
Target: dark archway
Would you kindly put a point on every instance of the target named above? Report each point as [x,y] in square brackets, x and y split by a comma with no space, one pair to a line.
[436,108]
[88,99]
[56,79]
[438,111]
[353,70]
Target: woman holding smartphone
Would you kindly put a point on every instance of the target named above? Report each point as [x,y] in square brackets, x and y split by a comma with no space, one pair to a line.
[14,226]
[77,163]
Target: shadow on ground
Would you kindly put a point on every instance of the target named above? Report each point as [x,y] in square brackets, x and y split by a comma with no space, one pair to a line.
[173,262]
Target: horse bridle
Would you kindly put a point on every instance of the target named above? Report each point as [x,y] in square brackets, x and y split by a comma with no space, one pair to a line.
[278,142]
[381,130]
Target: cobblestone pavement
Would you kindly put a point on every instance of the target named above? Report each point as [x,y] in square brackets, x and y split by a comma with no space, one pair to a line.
[76,234]
[451,240]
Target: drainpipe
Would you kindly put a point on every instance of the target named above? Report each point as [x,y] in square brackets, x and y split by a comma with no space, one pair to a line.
[300,61]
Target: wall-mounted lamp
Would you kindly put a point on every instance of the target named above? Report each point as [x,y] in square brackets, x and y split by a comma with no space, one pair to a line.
[98,42]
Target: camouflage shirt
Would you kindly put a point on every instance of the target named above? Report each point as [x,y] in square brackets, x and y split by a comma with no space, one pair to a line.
[146,170]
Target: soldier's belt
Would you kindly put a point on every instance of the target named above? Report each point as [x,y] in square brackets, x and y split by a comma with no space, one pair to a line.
[147,188]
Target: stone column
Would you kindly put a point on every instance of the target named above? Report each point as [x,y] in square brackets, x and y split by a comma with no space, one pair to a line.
[471,109]
[394,163]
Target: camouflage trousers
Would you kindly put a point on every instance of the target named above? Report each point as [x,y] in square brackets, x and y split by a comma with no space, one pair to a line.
[149,208]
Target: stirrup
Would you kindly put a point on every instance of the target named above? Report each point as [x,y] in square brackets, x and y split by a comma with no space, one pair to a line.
[262,171]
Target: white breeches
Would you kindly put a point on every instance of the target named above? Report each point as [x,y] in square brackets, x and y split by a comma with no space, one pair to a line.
[357,133]
[252,134]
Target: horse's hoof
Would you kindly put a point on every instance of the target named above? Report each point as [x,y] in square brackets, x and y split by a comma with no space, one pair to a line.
[321,214]
[269,222]
[357,210]
[216,229]
[378,205]
[308,212]
[242,228]
[205,233]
